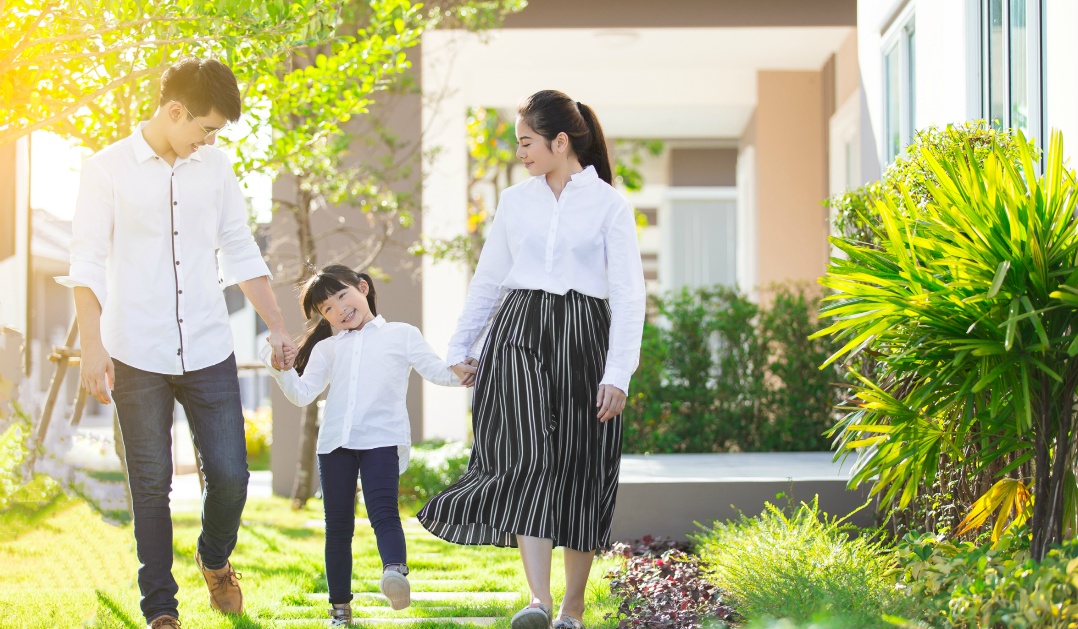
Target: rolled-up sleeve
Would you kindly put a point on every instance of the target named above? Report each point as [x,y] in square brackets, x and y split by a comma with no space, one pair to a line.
[91,232]
[485,290]
[238,256]
[628,300]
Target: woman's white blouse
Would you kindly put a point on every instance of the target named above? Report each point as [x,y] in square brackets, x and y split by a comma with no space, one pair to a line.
[368,369]
[584,241]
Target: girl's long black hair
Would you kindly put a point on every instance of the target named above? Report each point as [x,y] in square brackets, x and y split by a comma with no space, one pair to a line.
[320,287]
[551,112]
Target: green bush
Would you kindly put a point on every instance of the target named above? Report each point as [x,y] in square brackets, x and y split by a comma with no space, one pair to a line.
[720,374]
[943,499]
[970,310]
[434,466]
[803,567]
[966,585]
[18,486]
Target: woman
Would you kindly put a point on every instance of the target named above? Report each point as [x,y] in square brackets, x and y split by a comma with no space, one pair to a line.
[562,261]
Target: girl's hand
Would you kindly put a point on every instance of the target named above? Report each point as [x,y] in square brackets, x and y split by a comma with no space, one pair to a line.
[465,370]
[610,401]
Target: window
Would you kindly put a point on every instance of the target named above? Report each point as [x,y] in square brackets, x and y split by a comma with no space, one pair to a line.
[899,86]
[701,246]
[1012,57]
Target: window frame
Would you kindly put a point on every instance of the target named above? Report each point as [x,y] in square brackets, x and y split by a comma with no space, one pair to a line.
[901,36]
[1035,65]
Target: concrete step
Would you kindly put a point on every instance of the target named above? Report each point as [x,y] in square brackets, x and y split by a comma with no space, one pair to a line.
[667,494]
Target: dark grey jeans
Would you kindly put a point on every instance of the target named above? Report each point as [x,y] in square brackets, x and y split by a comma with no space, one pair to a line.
[144,404]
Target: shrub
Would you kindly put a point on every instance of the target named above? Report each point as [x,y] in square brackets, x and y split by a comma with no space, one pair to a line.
[720,374]
[664,591]
[970,310]
[802,567]
[258,429]
[434,466]
[966,585]
[941,499]
[18,485]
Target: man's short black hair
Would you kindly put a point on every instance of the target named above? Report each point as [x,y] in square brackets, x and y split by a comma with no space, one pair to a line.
[202,85]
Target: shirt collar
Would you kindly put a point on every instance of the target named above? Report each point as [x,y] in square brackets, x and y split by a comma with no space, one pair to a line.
[581,178]
[144,152]
[377,322]
[587,175]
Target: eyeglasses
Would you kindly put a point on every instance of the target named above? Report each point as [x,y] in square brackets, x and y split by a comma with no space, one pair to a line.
[208,132]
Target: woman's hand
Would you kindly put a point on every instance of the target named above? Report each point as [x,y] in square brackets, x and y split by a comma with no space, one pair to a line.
[610,402]
[465,370]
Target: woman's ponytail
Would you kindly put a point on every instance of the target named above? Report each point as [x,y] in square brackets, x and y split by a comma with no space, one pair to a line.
[551,112]
[597,154]
[318,332]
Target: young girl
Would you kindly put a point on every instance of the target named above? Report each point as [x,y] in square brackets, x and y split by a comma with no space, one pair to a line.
[556,363]
[365,430]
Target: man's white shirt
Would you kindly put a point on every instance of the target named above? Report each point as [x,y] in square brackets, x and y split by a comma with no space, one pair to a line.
[157,244]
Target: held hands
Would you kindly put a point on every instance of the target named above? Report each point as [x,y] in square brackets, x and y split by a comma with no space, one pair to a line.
[97,373]
[284,350]
[610,401]
[465,370]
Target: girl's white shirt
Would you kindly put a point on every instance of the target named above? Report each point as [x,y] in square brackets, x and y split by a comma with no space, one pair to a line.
[368,370]
[585,240]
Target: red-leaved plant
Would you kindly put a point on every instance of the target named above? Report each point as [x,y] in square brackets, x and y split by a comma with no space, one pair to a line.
[662,587]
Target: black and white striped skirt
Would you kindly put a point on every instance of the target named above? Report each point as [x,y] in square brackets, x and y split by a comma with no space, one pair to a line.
[542,464]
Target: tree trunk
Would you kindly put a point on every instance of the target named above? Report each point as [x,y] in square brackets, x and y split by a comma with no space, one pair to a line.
[1042,441]
[308,437]
[308,434]
[1048,504]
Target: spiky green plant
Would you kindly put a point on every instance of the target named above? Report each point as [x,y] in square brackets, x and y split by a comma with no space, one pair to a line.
[970,305]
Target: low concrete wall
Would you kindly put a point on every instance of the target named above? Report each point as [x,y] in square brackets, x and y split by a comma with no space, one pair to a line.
[666,495]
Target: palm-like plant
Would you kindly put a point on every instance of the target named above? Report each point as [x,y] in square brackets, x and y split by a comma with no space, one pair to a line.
[970,305]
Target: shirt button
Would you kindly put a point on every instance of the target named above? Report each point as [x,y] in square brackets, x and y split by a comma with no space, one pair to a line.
[181,320]
[175,203]
[177,263]
[180,292]
[175,233]
[177,352]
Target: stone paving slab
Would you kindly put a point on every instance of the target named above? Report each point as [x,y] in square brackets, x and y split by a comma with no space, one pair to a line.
[457,620]
[434,596]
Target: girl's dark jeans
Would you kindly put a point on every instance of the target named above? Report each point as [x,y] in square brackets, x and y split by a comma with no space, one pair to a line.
[377,469]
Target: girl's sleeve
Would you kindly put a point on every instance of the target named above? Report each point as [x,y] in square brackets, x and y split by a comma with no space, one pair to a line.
[485,290]
[627,298]
[423,358]
[302,390]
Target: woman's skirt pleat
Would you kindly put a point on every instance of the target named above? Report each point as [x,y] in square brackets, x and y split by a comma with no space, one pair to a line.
[542,464]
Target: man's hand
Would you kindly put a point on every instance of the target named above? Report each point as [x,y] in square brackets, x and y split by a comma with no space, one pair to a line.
[284,350]
[97,373]
[465,370]
[610,402]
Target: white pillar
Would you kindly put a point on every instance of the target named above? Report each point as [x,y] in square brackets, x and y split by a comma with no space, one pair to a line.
[1061,90]
[445,215]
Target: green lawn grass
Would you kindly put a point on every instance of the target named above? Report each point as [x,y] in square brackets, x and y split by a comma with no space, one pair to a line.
[62,566]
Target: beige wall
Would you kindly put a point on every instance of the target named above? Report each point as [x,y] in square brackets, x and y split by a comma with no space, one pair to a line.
[791,177]
[683,13]
[847,71]
[703,167]
[398,299]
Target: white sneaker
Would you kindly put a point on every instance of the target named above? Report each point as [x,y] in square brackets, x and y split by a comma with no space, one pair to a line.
[395,587]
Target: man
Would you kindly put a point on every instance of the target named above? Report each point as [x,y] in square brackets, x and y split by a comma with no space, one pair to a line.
[160,229]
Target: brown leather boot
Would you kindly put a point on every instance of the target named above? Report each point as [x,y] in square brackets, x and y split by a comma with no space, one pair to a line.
[224,585]
[164,622]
